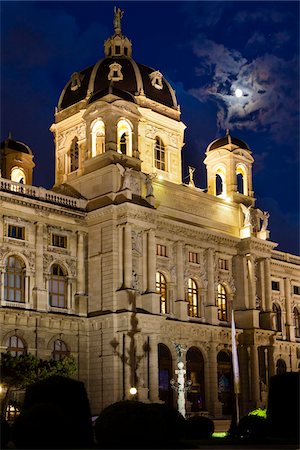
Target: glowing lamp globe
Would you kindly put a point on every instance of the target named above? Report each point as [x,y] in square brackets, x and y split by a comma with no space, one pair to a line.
[133,390]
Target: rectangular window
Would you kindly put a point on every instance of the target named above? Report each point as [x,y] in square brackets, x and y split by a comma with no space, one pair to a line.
[117,49]
[161,250]
[223,264]
[16,232]
[296,290]
[275,286]
[193,258]
[59,241]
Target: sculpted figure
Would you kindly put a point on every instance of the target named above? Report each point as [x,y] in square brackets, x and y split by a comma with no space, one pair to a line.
[117,18]
[126,174]
[191,175]
[148,182]
[247,214]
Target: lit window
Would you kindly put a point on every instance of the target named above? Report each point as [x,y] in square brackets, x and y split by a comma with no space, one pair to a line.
[59,241]
[98,138]
[241,179]
[17,174]
[193,299]
[277,312]
[296,317]
[275,286]
[296,290]
[74,155]
[222,303]
[124,141]
[161,250]
[60,350]
[223,264]
[159,155]
[161,289]
[15,346]
[193,258]
[57,287]
[14,280]
[16,232]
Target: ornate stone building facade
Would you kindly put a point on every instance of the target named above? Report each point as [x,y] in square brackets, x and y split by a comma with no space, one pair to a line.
[121,259]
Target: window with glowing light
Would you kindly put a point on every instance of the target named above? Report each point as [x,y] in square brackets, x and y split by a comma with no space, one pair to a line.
[161,250]
[14,280]
[159,154]
[124,138]
[193,299]
[57,287]
[296,319]
[98,138]
[17,174]
[222,303]
[15,346]
[161,289]
[60,350]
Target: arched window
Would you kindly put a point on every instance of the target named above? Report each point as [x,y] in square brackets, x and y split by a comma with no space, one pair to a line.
[193,299]
[161,289]
[165,373]
[15,346]
[57,287]
[74,155]
[241,179]
[219,184]
[14,280]
[222,303]
[240,183]
[160,155]
[98,138]
[195,373]
[280,367]
[296,317]
[60,350]
[17,174]
[277,313]
[124,141]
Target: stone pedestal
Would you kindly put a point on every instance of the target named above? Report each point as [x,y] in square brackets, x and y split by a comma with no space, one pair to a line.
[151,302]
[247,319]
[151,200]
[81,304]
[40,299]
[211,314]
[181,309]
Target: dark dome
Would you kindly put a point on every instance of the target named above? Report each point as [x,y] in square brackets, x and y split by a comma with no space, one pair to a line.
[227,140]
[94,84]
[17,146]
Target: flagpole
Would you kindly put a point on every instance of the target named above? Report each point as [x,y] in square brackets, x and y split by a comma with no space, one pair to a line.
[235,364]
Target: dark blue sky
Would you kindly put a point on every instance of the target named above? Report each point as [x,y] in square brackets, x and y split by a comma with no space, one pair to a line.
[205,49]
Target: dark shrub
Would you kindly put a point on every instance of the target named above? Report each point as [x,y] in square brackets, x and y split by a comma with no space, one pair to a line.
[69,396]
[283,406]
[172,424]
[199,427]
[252,428]
[42,426]
[5,433]
[133,424]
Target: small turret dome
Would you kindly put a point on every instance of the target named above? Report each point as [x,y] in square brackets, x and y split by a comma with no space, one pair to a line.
[16,146]
[229,142]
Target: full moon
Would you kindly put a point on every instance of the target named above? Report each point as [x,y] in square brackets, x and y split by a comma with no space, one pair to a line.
[238,93]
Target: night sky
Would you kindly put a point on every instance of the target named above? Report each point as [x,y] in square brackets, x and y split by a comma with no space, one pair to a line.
[205,49]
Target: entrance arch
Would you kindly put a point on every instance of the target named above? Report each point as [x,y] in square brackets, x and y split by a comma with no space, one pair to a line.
[195,373]
[225,382]
[165,373]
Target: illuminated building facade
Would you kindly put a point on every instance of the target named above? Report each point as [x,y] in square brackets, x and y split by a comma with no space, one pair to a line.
[121,259]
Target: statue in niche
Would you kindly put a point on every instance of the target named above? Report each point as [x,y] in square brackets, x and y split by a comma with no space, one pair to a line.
[127,176]
[148,183]
[191,175]
[247,214]
[117,18]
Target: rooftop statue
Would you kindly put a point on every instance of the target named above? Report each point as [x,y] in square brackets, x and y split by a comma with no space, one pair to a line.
[117,19]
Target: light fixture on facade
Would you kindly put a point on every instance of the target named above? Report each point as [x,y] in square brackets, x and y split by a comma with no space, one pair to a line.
[133,390]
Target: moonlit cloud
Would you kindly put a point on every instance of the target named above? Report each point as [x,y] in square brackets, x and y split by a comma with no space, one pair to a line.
[270,97]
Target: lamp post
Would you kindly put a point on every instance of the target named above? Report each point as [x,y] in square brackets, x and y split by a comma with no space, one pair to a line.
[181,387]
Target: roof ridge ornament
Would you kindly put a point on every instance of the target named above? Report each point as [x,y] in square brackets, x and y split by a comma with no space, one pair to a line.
[118,14]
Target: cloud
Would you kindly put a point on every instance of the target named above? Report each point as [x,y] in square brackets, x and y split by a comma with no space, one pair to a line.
[264,15]
[268,82]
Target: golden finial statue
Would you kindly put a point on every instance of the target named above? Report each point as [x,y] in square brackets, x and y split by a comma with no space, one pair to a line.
[117,19]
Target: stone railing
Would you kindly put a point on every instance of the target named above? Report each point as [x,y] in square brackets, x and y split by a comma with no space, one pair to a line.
[40,193]
[287,257]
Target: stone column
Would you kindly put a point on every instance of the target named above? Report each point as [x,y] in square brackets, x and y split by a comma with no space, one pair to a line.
[39,292]
[251,281]
[153,355]
[211,308]
[127,257]
[80,264]
[290,331]
[111,134]
[254,375]
[268,285]
[215,407]
[151,261]
[180,272]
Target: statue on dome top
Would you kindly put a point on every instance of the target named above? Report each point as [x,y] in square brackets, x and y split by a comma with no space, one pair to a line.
[117,19]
